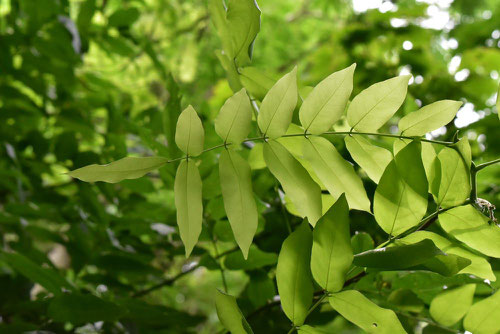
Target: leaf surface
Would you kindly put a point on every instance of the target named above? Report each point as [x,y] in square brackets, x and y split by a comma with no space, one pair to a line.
[187,190]
[450,306]
[277,107]
[471,227]
[234,119]
[239,203]
[298,185]
[335,173]
[189,134]
[400,200]
[230,314]
[325,104]
[364,313]
[126,168]
[374,106]
[483,316]
[331,251]
[429,118]
[293,274]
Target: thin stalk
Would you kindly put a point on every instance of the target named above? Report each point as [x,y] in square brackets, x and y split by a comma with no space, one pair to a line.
[224,283]
[473,177]
[486,164]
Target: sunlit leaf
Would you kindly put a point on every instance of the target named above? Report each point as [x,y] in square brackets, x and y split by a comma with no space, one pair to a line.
[189,134]
[277,107]
[335,173]
[243,19]
[454,186]
[187,189]
[126,168]
[483,316]
[325,104]
[364,313]
[450,306]
[472,228]
[256,259]
[400,200]
[230,314]
[331,251]
[373,159]
[256,81]
[293,274]
[374,106]
[236,184]
[429,118]
[298,185]
[479,265]
[234,119]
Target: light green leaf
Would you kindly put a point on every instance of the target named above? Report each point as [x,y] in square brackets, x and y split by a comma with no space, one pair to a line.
[429,118]
[218,17]
[331,251]
[361,242]
[373,159]
[277,107]
[187,190]
[293,274]
[362,312]
[298,185]
[326,103]
[374,106]
[243,23]
[256,157]
[483,316]
[126,168]
[257,82]
[397,257]
[454,186]
[472,228]
[236,185]
[306,329]
[234,119]
[400,200]
[479,266]
[189,134]
[450,306]
[230,314]
[335,173]
[432,167]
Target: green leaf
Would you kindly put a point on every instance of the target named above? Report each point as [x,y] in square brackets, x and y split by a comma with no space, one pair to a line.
[498,102]
[189,134]
[243,24]
[218,17]
[187,190]
[230,314]
[429,118]
[335,173]
[326,103]
[81,309]
[256,259]
[256,157]
[446,264]
[331,251]
[293,274]
[306,329]
[277,107]
[373,159]
[374,106]
[479,266]
[298,185]
[483,316]
[256,81]
[365,314]
[450,306]
[361,242]
[454,179]
[123,17]
[400,200]
[471,227]
[126,168]
[48,278]
[236,185]
[234,119]
[398,257]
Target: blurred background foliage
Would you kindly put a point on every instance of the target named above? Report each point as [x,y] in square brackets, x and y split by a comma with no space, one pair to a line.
[92,81]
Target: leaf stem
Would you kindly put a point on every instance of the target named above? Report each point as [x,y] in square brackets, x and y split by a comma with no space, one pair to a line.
[486,164]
